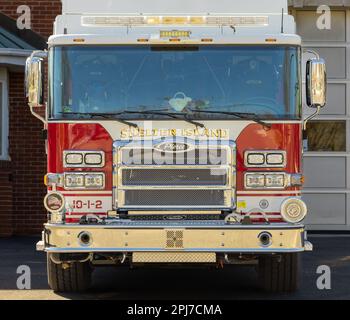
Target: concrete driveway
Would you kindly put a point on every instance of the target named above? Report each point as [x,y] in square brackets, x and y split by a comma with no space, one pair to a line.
[177,284]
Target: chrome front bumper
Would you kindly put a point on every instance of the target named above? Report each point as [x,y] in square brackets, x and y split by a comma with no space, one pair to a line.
[185,236]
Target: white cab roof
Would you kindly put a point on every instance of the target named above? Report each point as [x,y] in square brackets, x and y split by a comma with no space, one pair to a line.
[174,6]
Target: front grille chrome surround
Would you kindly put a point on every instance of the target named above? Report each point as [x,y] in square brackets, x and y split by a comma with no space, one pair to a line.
[200,184]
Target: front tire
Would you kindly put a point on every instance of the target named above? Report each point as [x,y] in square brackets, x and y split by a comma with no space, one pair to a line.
[279,273]
[73,277]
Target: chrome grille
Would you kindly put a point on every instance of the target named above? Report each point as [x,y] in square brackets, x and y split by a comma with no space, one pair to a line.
[201,176]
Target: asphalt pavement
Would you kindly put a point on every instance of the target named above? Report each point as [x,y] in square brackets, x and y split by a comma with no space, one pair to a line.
[232,283]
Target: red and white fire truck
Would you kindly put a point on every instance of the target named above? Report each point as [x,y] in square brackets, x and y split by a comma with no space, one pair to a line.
[174,137]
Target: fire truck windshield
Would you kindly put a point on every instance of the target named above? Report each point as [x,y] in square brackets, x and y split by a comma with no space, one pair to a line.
[260,80]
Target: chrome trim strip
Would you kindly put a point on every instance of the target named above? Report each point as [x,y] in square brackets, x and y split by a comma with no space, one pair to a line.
[240,250]
[273,192]
[168,224]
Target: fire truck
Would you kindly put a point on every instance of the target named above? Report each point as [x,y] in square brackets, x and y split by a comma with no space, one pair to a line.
[174,136]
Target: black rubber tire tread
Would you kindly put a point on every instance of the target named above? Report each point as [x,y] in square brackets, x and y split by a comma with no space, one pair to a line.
[279,273]
[76,278]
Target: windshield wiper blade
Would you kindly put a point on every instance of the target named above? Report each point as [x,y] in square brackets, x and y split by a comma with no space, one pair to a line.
[240,115]
[104,115]
[169,114]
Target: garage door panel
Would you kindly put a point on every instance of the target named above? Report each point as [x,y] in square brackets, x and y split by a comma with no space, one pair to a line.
[325,172]
[335,58]
[336,100]
[307,26]
[327,209]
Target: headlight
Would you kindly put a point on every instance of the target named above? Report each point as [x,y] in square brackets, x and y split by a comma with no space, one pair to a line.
[73,159]
[72,180]
[54,202]
[293,210]
[275,159]
[83,159]
[93,159]
[95,180]
[274,181]
[255,159]
[86,180]
[253,180]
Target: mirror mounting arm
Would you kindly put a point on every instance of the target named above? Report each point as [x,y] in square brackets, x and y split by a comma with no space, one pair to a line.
[311,117]
[38,116]
[317,56]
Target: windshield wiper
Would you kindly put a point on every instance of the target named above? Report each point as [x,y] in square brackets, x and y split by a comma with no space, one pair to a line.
[240,115]
[104,115]
[183,116]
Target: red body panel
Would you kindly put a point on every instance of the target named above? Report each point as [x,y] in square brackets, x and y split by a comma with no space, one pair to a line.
[78,136]
[93,136]
[279,137]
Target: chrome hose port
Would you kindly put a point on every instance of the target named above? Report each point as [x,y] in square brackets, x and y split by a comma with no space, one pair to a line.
[85,238]
[265,239]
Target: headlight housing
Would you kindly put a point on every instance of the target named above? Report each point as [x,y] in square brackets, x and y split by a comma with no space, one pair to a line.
[54,202]
[84,180]
[265,159]
[83,159]
[293,210]
[260,180]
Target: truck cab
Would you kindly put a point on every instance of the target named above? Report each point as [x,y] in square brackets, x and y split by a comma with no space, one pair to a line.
[174,137]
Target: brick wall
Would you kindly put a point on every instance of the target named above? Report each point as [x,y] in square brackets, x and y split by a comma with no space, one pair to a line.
[21,178]
[27,151]
[43,13]
[6,192]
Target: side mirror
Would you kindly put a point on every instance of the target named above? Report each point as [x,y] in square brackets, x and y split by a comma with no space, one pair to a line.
[316,83]
[34,81]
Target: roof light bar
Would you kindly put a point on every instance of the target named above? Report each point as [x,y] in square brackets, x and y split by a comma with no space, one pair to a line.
[105,21]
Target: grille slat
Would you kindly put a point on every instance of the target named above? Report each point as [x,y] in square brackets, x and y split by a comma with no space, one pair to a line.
[174,177]
[213,156]
[174,198]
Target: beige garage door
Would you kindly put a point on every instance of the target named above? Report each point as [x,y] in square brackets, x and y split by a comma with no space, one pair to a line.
[327,162]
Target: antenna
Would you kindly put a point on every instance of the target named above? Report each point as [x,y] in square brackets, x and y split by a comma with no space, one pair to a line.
[282,21]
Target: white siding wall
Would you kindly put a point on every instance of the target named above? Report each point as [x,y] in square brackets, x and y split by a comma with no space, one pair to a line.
[327,189]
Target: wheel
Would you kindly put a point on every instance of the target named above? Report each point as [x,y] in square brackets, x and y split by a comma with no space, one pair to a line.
[279,273]
[74,277]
